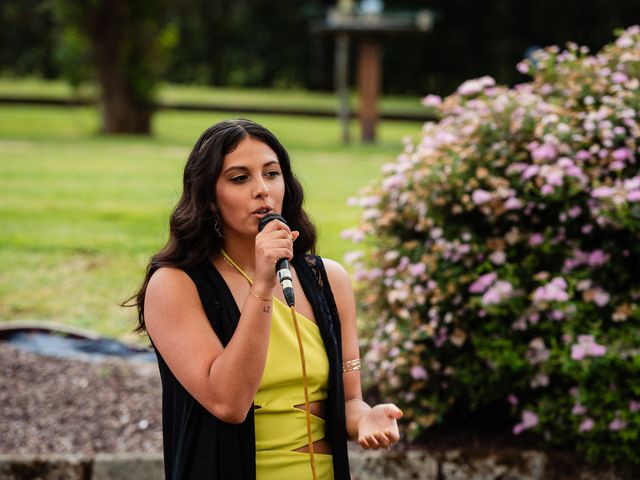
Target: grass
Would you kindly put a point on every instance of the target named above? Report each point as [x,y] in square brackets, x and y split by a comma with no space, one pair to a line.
[202,95]
[82,212]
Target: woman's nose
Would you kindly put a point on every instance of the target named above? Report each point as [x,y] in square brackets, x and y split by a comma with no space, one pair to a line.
[261,189]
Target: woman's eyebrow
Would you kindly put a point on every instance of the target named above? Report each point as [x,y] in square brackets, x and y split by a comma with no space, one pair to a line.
[235,167]
[244,168]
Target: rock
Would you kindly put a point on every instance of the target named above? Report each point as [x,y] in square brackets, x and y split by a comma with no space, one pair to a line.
[506,465]
[120,466]
[391,464]
[45,467]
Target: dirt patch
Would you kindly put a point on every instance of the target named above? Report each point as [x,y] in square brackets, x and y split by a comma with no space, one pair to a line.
[57,405]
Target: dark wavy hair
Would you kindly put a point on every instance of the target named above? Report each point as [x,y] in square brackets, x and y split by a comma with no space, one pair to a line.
[192,235]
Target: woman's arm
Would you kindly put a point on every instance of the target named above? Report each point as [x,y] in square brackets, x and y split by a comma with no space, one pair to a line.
[373,427]
[224,380]
[221,379]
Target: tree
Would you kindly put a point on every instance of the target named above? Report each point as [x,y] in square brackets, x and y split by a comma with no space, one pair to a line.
[129,43]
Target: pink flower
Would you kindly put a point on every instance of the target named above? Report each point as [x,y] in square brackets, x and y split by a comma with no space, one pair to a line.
[419,373]
[617,425]
[500,291]
[491,297]
[597,257]
[624,42]
[523,67]
[470,87]
[536,239]
[602,192]
[621,154]
[529,420]
[583,155]
[586,425]
[546,189]
[482,283]
[545,151]
[432,101]
[374,273]
[600,297]
[616,166]
[530,171]
[353,256]
[513,204]
[394,182]
[512,399]
[553,291]
[417,269]
[370,201]
[575,211]
[633,196]
[480,196]
[634,406]
[587,347]
[619,77]
[498,257]
[578,352]
[352,234]
[578,409]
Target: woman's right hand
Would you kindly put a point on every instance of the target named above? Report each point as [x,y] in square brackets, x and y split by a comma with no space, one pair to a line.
[274,242]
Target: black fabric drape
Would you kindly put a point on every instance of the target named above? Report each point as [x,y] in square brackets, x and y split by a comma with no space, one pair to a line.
[197,445]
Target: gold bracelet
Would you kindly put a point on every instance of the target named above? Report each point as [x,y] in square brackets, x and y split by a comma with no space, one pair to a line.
[260,298]
[351,365]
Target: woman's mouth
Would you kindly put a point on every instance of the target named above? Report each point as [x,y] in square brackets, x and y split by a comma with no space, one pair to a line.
[262,211]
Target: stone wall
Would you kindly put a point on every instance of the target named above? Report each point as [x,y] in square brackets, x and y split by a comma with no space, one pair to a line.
[414,464]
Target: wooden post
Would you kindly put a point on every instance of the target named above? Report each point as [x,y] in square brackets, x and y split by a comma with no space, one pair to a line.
[369,76]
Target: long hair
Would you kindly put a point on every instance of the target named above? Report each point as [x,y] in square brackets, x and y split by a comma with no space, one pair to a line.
[192,232]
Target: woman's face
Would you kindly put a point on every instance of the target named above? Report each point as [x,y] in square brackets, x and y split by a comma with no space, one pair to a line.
[250,186]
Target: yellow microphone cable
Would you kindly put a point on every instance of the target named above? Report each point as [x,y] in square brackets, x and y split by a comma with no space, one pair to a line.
[306,392]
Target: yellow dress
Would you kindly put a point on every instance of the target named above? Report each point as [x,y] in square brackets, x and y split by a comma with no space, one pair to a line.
[280,427]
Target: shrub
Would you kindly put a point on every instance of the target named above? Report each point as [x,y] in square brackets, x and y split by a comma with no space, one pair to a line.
[501,251]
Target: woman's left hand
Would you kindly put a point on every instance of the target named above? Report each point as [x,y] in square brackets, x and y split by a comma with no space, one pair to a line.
[378,427]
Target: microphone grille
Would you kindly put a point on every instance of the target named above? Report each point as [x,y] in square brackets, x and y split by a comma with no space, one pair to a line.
[269,217]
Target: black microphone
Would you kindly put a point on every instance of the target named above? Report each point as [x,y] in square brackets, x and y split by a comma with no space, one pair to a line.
[283,271]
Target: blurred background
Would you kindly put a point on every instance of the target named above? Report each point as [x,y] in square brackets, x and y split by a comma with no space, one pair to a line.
[101,102]
[83,209]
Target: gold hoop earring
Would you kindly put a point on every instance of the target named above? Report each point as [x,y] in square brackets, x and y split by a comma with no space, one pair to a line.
[217,227]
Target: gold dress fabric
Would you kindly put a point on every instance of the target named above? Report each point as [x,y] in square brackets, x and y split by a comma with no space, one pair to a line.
[280,427]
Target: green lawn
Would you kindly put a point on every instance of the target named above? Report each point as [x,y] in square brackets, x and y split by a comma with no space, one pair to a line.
[202,95]
[82,213]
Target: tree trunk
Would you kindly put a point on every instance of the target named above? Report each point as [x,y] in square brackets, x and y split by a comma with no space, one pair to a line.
[120,111]
[121,34]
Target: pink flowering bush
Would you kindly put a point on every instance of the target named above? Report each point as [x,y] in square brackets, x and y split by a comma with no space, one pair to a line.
[502,255]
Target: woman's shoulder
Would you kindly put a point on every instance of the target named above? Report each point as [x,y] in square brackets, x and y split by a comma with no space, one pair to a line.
[172,281]
[333,267]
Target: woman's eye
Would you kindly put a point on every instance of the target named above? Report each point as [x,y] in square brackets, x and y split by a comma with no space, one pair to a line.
[239,179]
[273,173]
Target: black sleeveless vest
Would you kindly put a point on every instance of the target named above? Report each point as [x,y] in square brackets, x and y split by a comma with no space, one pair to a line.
[199,446]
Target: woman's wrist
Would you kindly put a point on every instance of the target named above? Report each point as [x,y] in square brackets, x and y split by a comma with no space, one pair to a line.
[261,291]
[260,297]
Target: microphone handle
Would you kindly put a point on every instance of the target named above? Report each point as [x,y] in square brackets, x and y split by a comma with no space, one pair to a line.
[283,272]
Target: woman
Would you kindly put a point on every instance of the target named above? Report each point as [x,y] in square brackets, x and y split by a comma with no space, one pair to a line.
[234,394]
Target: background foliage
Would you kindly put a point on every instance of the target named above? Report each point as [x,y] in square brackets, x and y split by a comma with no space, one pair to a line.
[263,43]
[502,254]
